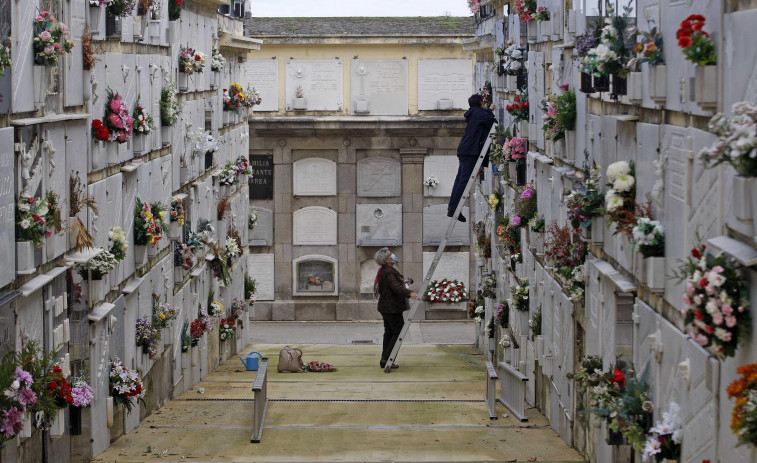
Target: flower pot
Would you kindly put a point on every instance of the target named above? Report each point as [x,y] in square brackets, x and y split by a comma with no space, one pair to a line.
[41,77]
[153,251]
[167,334]
[315,287]
[58,425]
[25,257]
[111,152]
[492,344]
[109,411]
[586,84]
[183,81]
[655,273]
[74,421]
[98,288]
[520,172]
[523,129]
[215,78]
[619,85]
[87,84]
[299,104]
[635,86]
[178,275]
[601,84]
[221,225]
[166,135]
[154,28]
[185,360]
[95,13]
[511,170]
[597,230]
[227,117]
[615,438]
[139,143]
[538,239]
[531,31]
[113,26]
[545,29]
[173,27]
[140,254]
[26,421]
[706,88]
[586,233]
[185,173]
[175,231]
[570,144]
[99,154]
[195,356]
[658,83]
[139,24]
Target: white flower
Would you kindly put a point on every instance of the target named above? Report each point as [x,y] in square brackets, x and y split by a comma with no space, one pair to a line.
[617,169]
[653,447]
[614,201]
[24,207]
[711,307]
[604,53]
[624,183]
[715,278]
[25,224]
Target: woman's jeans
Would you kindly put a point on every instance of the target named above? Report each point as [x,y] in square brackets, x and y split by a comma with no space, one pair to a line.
[393,323]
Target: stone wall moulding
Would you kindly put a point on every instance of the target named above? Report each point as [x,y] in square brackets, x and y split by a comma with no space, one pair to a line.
[314,85]
[444,84]
[314,226]
[315,275]
[314,177]
[379,177]
[379,87]
[378,224]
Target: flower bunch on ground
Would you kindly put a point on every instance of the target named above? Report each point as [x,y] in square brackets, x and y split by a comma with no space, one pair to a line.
[716,301]
[649,237]
[559,113]
[696,43]
[446,291]
[125,386]
[31,224]
[737,139]
[744,414]
[50,42]
[320,367]
[665,437]
[118,243]
[117,120]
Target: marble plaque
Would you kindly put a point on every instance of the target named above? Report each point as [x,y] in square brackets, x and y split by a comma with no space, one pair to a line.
[444,79]
[378,224]
[379,177]
[314,226]
[263,74]
[7,207]
[262,233]
[260,267]
[435,222]
[379,87]
[321,81]
[452,265]
[444,168]
[314,177]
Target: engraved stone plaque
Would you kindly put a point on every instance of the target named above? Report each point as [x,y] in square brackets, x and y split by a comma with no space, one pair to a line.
[320,81]
[435,222]
[379,177]
[261,179]
[314,225]
[379,87]
[7,209]
[262,232]
[379,224]
[452,265]
[442,80]
[263,74]
[444,169]
[314,177]
[260,267]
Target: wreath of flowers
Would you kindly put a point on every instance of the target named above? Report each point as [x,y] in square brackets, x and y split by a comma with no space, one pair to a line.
[446,292]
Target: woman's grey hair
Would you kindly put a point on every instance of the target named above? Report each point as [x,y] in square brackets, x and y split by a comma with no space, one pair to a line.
[381,256]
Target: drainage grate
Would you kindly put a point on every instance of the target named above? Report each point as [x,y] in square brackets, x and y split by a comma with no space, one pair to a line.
[363,341]
[339,400]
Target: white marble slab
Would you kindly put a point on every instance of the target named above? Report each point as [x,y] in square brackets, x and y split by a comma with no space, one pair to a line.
[321,81]
[444,168]
[263,74]
[379,177]
[378,224]
[379,87]
[260,267]
[314,177]
[452,265]
[444,83]
[314,226]
[435,223]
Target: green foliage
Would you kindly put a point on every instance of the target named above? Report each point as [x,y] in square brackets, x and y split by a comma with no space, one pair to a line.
[174,10]
[250,286]
[122,8]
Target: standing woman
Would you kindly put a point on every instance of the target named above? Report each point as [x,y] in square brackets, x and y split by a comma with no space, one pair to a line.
[392,300]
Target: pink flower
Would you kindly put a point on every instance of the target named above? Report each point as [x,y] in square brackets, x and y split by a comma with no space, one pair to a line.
[727,336]
[48,51]
[701,339]
[45,36]
[717,269]
[564,87]
[687,301]
[730,321]
[709,290]
[741,309]
[121,136]
[26,397]
[689,287]
[11,423]
[527,193]
[727,309]
[115,105]
[516,220]
[116,121]
[717,318]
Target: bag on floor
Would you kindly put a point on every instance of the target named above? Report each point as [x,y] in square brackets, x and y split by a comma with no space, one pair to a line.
[290,360]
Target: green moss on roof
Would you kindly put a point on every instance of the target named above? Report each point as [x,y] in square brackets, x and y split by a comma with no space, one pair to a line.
[361,26]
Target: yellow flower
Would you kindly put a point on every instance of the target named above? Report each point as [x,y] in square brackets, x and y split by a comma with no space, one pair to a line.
[162,215]
[162,315]
[181,222]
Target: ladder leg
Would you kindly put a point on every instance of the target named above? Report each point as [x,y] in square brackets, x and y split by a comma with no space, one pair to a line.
[439,251]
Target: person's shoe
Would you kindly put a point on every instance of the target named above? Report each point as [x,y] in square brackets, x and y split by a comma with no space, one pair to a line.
[382,364]
[460,218]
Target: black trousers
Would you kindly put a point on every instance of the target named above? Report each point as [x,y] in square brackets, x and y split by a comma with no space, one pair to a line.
[393,323]
[464,171]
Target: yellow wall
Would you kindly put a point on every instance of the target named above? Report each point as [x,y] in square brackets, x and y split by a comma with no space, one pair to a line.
[346,52]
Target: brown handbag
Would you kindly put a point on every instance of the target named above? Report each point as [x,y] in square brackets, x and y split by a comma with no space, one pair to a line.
[290,360]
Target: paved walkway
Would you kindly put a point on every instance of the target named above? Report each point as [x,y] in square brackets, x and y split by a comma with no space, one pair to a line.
[431,409]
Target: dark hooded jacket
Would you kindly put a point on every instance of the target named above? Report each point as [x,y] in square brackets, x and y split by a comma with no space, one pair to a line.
[392,292]
[479,122]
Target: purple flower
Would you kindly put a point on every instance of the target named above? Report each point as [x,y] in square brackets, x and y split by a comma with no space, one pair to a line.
[24,376]
[516,221]
[527,193]
[26,397]
[11,424]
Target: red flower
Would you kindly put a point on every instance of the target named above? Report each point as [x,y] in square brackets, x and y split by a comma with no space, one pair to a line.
[619,378]
[52,385]
[696,17]
[709,329]
[517,98]
[698,315]
[685,42]
[703,282]
[686,24]
[695,253]
[97,123]
[697,26]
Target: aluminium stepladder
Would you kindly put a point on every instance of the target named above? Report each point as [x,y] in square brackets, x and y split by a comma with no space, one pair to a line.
[439,251]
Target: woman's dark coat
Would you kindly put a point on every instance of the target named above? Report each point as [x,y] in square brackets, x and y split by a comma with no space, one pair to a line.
[392,292]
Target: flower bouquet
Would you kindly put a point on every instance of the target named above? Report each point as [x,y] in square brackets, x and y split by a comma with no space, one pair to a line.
[31,224]
[648,237]
[233,97]
[118,243]
[196,330]
[147,337]
[696,43]
[117,119]
[486,94]
[170,105]
[99,266]
[515,148]
[431,182]
[502,314]
[147,227]
[122,8]
[177,211]
[737,139]
[320,367]
[534,324]
[514,57]
[619,199]
[716,301]
[243,166]
[58,388]
[559,113]
[125,386]
[226,329]
[446,292]
[744,415]
[217,61]
[537,223]
[49,43]
[519,108]
[540,14]
[525,9]
[5,56]
[664,438]
[494,200]
[586,200]
[143,123]
[611,54]
[190,60]
[519,295]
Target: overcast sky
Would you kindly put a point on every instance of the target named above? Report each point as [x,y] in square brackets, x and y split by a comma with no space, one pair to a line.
[263,8]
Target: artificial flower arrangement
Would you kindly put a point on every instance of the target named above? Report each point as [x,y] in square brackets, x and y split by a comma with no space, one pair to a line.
[82,393]
[737,139]
[716,301]
[665,438]
[191,60]
[486,94]
[474,6]
[31,224]
[696,43]
[559,113]
[744,414]
[585,201]
[122,8]
[252,97]
[117,120]
[238,311]
[514,59]
[575,281]
[226,329]
[233,97]
[147,226]
[588,40]
[205,231]
[650,48]
[162,313]
[229,174]
[515,148]
[562,247]
[183,255]
[59,388]
[78,201]
[217,61]
[196,330]
[495,199]
[53,217]
[611,54]
[99,131]
[648,237]
[519,295]
[540,14]
[125,386]
[218,259]
[479,313]
[147,337]
[502,314]
[243,166]
[252,220]
[50,43]
[170,104]
[16,384]
[508,234]
[431,182]
[174,10]
[525,9]
[177,211]
[537,223]
[232,247]
[519,107]
[250,288]
[499,138]
[5,55]
[619,199]
[525,207]
[142,121]
[118,243]
[473,304]
[489,289]
[483,240]
[534,324]
[446,291]
[98,266]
